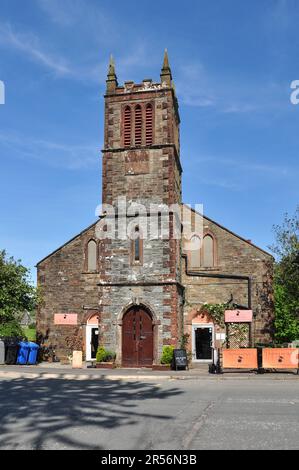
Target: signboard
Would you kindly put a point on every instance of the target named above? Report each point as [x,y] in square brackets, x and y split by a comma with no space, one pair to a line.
[220,336]
[240,359]
[281,358]
[238,316]
[65,319]
[77,360]
[180,359]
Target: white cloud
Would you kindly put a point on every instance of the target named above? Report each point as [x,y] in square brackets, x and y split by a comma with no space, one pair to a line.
[239,108]
[220,183]
[193,86]
[236,173]
[29,44]
[94,71]
[63,155]
[244,166]
[83,16]
[198,87]
[62,13]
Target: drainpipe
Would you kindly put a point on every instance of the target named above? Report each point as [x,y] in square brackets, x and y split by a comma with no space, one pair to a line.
[226,276]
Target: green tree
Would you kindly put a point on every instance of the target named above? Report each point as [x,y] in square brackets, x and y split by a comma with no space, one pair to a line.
[286,278]
[286,323]
[16,294]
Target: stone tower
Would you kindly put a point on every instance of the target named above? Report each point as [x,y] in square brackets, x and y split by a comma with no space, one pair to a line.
[140,274]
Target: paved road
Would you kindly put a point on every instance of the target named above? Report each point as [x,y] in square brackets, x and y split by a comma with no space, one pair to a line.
[57,413]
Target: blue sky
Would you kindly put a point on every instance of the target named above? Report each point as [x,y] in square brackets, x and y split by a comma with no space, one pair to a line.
[233,63]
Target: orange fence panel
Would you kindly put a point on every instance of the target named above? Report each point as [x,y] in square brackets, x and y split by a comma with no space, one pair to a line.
[280,358]
[240,358]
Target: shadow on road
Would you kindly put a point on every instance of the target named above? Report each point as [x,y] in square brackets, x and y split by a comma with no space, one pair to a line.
[34,412]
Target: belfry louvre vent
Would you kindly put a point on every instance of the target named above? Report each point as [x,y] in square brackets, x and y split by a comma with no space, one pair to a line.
[138,125]
[149,125]
[127,127]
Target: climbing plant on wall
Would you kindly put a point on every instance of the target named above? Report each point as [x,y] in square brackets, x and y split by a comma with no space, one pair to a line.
[216,312]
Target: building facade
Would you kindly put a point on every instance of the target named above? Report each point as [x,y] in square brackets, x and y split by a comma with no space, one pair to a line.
[130,281]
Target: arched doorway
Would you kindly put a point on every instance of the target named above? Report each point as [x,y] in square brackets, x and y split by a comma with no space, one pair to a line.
[137,338]
[92,337]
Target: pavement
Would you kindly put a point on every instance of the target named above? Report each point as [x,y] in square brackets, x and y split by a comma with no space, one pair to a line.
[200,372]
[59,408]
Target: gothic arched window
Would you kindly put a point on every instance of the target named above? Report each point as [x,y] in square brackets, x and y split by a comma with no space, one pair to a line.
[149,125]
[208,251]
[127,127]
[195,252]
[136,246]
[138,125]
[91,256]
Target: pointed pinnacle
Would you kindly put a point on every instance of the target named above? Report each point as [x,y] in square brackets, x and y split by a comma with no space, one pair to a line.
[166,75]
[111,68]
[111,76]
[166,61]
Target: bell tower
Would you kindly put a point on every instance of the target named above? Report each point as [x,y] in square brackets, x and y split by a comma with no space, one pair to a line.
[141,163]
[141,156]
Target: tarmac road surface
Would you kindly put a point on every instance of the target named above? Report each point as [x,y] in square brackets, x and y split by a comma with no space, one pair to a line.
[59,413]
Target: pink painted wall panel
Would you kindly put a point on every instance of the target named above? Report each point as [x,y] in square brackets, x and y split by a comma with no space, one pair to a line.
[238,316]
[65,319]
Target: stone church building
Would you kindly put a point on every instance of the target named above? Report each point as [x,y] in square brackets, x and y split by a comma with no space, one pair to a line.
[135,293]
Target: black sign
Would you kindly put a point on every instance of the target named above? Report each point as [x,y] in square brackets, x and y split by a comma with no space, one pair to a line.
[180,359]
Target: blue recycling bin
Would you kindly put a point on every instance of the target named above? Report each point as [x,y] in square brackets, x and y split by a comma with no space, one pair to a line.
[33,351]
[23,353]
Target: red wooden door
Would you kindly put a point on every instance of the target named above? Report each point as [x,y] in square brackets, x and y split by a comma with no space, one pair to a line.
[137,338]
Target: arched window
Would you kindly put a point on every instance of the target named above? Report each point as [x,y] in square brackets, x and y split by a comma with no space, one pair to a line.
[208,251]
[195,252]
[127,127]
[149,125]
[137,247]
[138,125]
[92,256]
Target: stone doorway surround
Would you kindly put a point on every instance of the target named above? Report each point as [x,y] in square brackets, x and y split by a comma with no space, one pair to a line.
[155,325]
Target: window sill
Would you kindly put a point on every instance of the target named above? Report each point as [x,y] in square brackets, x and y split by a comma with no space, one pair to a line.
[205,269]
